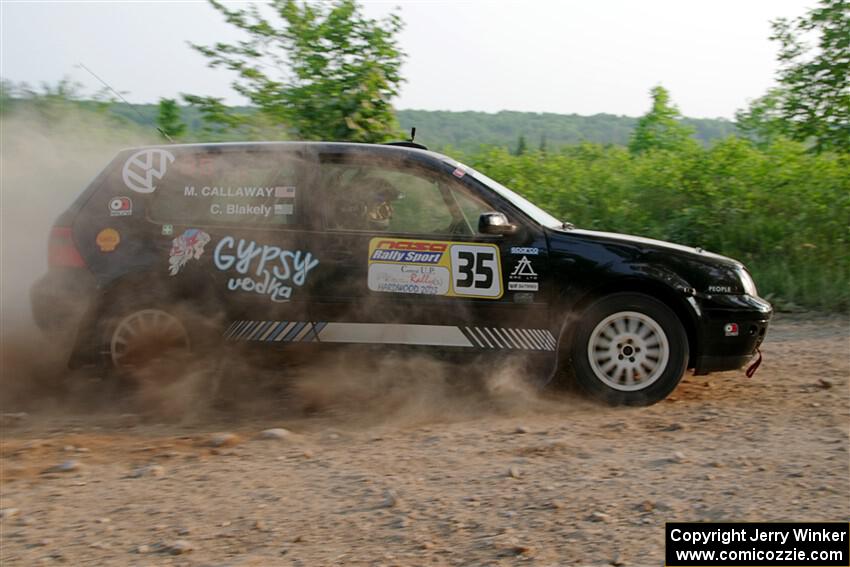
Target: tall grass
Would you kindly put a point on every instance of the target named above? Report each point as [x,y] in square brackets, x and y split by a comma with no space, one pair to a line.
[783,211]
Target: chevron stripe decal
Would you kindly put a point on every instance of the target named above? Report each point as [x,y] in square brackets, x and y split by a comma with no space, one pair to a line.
[482,338]
[505,338]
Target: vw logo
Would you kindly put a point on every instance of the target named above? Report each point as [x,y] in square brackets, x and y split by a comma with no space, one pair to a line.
[144,167]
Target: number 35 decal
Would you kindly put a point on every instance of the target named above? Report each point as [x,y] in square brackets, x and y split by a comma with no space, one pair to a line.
[433,267]
[476,270]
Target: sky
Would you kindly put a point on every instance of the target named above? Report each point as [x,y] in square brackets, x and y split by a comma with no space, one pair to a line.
[562,56]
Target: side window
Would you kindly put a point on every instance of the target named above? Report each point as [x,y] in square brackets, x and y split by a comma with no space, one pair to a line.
[232,187]
[380,197]
[470,207]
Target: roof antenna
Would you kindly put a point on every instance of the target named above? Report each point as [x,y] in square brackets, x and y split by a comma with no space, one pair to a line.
[412,134]
[124,100]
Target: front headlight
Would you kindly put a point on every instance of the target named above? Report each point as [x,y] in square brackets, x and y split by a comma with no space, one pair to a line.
[747,282]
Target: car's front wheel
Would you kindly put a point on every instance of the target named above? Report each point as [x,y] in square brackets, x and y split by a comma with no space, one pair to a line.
[629,349]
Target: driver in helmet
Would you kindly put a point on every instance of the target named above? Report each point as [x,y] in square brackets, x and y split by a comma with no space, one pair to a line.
[367,204]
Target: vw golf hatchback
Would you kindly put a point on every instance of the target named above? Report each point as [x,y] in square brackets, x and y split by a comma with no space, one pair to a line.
[312,245]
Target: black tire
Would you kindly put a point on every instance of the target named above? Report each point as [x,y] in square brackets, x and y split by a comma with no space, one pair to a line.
[638,353]
[169,379]
[175,335]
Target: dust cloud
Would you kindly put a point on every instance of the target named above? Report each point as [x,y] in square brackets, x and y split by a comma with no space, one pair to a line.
[49,154]
[47,159]
[412,390]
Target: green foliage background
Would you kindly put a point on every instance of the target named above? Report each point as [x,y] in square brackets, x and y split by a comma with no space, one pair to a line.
[468,131]
[464,131]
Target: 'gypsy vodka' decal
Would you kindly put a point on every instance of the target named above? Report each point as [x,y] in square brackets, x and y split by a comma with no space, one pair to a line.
[263,269]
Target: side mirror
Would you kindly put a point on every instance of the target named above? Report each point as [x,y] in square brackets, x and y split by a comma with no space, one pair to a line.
[495,223]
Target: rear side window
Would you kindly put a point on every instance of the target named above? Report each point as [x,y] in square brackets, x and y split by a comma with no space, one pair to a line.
[255,188]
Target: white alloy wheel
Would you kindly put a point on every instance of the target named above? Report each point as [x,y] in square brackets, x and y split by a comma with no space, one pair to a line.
[144,335]
[628,351]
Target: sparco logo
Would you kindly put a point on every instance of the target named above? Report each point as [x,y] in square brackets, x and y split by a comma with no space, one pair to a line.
[145,166]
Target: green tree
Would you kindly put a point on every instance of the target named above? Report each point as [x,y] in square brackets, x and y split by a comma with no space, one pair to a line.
[762,121]
[661,128]
[521,146]
[812,102]
[168,120]
[335,71]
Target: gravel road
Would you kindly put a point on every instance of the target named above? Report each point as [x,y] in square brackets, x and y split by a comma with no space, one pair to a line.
[401,468]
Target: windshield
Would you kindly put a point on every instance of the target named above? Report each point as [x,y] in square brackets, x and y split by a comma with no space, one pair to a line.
[536,213]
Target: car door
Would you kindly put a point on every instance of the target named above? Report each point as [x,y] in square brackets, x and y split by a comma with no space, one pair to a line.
[230,223]
[404,264]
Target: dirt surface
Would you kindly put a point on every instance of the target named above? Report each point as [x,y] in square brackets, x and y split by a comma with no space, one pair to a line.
[403,468]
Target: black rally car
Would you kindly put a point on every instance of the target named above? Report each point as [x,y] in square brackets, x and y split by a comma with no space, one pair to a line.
[288,245]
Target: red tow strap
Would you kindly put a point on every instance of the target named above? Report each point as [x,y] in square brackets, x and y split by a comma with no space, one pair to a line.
[751,369]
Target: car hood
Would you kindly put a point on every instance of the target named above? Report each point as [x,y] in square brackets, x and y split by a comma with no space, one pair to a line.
[657,245]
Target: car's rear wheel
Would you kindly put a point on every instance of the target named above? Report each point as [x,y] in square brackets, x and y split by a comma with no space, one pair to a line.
[160,355]
[154,341]
[629,349]
[144,335]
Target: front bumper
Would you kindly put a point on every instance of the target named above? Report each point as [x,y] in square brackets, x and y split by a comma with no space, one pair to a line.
[719,348]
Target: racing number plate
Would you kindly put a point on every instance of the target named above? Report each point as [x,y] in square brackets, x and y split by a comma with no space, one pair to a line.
[430,267]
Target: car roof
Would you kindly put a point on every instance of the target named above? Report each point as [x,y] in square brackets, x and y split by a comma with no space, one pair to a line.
[326,147]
